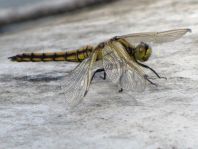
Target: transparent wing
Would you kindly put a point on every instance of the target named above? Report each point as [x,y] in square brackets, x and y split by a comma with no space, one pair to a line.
[112,64]
[75,84]
[130,79]
[156,37]
[118,71]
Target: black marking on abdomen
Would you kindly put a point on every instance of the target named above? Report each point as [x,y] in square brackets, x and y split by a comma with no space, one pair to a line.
[43,57]
[65,56]
[54,56]
[77,55]
[36,57]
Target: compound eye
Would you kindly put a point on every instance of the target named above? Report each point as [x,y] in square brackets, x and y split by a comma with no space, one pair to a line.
[141,49]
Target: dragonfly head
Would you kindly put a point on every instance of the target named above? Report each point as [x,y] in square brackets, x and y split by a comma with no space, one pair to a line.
[143,52]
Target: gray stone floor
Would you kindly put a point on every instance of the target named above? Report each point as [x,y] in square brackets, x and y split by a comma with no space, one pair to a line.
[33,112]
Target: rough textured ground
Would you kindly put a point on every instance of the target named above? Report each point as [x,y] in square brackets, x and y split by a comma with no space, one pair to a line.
[33,111]
[15,11]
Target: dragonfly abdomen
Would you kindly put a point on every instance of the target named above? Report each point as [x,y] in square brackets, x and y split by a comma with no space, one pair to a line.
[72,56]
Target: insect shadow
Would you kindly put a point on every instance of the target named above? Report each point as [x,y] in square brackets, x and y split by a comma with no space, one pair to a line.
[39,78]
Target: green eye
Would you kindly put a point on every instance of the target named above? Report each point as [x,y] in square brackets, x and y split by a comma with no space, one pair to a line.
[141,49]
[142,52]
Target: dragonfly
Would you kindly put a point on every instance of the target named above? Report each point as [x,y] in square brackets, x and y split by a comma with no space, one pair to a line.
[121,58]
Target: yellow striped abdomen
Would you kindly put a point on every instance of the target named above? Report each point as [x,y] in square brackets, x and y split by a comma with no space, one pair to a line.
[72,56]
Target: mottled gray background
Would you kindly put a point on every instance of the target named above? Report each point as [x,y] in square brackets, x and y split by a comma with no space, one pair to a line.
[5,4]
[33,112]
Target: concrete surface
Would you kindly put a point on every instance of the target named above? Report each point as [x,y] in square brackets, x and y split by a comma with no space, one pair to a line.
[15,11]
[33,112]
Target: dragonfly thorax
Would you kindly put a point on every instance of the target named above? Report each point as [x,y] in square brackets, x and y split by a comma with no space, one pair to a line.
[142,52]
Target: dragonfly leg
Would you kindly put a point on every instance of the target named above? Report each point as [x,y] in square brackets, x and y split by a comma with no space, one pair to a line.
[145,66]
[99,70]
[119,85]
[105,75]
[146,77]
[121,90]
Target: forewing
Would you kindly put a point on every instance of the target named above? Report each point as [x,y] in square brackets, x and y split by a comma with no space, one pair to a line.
[156,37]
[75,84]
[112,64]
[118,71]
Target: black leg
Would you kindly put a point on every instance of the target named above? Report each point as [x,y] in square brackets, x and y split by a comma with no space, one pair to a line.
[146,77]
[99,70]
[121,90]
[105,75]
[145,66]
